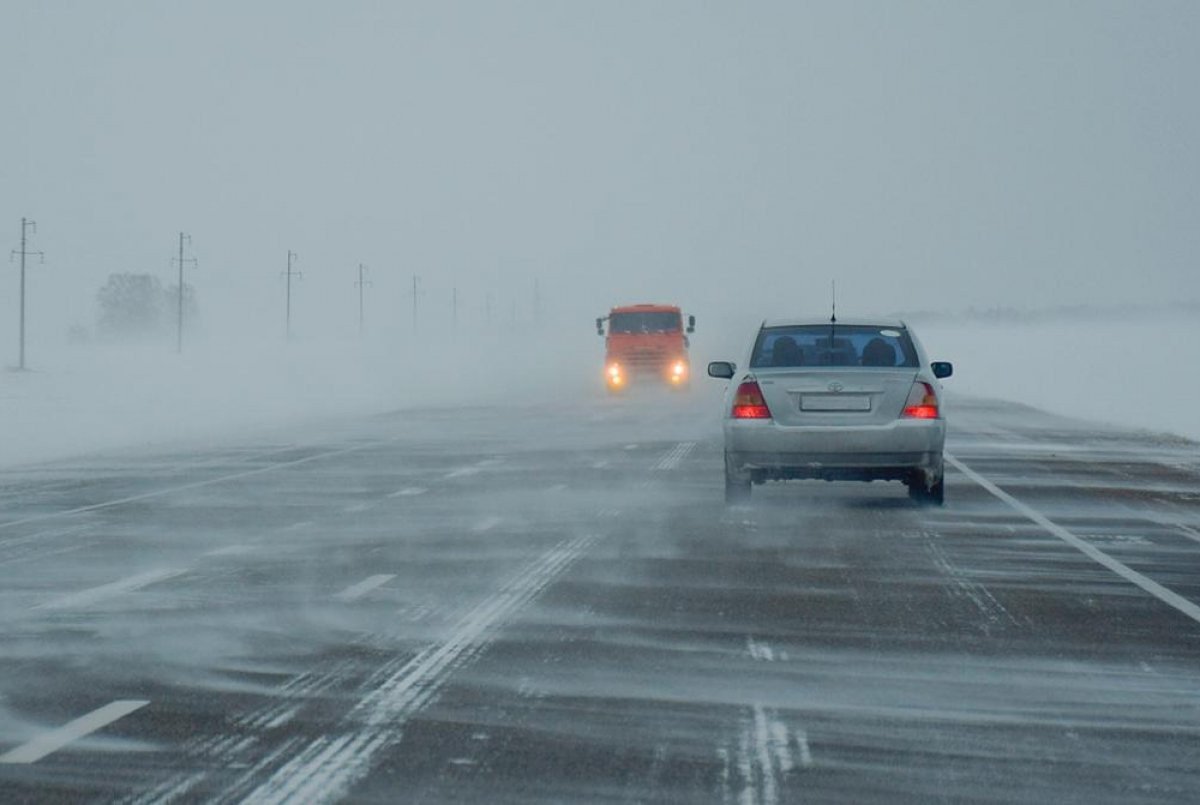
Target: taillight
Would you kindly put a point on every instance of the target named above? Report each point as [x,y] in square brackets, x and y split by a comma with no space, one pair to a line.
[748,402]
[922,402]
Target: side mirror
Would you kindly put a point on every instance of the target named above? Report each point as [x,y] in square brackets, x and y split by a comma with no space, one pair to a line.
[942,369]
[691,324]
[722,369]
[599,326]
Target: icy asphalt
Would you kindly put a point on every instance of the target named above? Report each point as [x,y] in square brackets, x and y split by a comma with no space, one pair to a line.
[539,603]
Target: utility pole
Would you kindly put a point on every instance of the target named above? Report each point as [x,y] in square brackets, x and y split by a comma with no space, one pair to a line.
[26,225]
[362,283]
[415,293]
[292,257]
[192,260]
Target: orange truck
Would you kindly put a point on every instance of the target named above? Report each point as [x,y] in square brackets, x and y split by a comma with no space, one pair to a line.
[645,342]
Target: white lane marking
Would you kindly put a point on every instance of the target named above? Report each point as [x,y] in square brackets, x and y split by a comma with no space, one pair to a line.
[463,472]
[54,740]
[298,526]
[230,550]
[330,765]
[408,491]
[764,758]
[365,586]
[357,507]
[41,536]
[673,456]
[764,742]
[474,469]
[1155,589]
[95,594]
[486,524]
[183,487]
[801,737]
[760,651]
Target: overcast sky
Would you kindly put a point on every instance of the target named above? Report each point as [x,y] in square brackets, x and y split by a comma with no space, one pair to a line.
[922,154]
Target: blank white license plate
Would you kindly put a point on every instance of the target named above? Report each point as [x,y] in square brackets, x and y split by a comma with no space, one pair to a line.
[835,402]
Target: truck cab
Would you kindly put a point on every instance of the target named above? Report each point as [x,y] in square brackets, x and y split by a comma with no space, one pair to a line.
[645,343]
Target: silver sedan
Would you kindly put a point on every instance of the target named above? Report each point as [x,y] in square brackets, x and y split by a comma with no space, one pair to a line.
[834,400]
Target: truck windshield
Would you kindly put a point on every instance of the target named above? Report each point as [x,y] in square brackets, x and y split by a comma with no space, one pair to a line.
[648,322]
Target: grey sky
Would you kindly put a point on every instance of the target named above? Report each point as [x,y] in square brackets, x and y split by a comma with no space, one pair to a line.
[922,154]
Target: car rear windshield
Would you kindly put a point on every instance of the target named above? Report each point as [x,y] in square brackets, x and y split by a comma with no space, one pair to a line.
[833,345]
[648,322]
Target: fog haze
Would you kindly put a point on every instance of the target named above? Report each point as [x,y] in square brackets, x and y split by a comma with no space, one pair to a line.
[924,155]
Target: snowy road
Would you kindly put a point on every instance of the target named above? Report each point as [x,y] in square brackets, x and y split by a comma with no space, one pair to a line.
[552,604]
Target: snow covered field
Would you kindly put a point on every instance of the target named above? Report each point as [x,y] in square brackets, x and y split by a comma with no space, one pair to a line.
[1136,373]
[82,398]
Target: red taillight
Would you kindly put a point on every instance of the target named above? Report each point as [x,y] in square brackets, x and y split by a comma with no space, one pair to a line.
[748,402]
[922,402]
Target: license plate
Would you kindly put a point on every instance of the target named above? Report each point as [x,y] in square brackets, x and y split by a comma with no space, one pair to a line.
[835,402]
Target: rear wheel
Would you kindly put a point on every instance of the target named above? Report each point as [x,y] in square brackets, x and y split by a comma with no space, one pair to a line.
[737,485]
[920,491]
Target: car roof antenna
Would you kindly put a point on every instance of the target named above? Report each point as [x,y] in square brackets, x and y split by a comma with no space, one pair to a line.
[833,300]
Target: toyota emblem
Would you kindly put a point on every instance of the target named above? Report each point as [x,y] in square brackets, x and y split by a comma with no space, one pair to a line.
[836,387]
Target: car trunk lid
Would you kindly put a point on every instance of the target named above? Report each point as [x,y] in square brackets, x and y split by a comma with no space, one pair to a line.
[836,396]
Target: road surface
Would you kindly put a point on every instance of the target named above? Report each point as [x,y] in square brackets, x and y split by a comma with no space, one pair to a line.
[551,603]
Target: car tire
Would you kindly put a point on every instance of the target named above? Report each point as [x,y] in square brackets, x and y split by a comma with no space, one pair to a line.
[737,485]
[921,492]
[737,490]
[936,496]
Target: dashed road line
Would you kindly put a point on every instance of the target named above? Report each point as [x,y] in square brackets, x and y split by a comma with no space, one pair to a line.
[54,740]
[408,492]
[96,594]
[764,759]
[1155,589]
[463,472]
[474,469]
[356,591]
[486,524]
[184,487]
[231,550]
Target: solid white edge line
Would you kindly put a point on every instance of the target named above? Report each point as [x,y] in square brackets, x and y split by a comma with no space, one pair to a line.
[1155,589]
[56,739]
